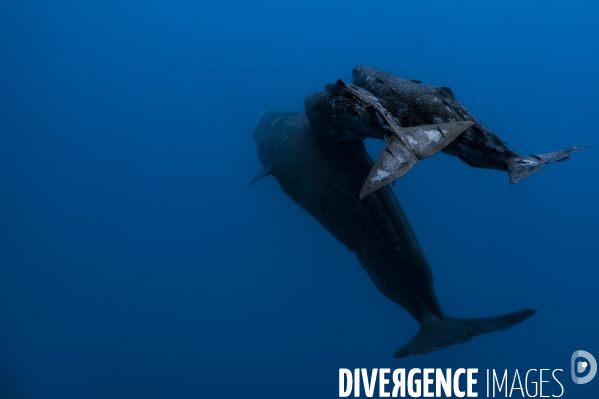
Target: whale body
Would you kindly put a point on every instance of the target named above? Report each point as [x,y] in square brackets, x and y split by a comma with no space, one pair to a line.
[413,104]
[324,177]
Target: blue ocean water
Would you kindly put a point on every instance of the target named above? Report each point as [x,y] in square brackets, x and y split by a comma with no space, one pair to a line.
[135,263]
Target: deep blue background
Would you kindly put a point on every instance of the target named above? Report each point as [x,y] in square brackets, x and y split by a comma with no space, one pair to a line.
[134,262]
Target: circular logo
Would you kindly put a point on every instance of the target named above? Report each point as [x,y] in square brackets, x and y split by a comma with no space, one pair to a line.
[581,366]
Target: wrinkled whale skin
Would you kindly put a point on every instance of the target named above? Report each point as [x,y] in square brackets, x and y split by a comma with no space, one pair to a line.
[324,177]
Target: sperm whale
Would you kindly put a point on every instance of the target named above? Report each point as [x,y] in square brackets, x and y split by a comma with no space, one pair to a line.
[324,177]
[413,104]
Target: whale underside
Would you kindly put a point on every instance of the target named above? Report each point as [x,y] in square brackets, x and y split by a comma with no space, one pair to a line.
[325,177]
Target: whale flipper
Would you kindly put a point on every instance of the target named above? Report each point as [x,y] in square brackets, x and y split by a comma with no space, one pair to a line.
[521,167]
[441,334]
[265,172]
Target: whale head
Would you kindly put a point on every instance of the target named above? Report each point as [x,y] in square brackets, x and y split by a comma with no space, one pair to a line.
[265,135]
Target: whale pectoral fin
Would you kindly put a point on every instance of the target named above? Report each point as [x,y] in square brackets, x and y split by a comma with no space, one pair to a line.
[433,336]
[427,140]
[265,172]
[394,161]
[522,167]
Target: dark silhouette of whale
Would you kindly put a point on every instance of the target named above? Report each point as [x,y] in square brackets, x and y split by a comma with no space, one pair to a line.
[324,177]
[414,104]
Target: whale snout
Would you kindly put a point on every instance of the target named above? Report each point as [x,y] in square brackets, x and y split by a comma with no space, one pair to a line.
[264,124]
[311,99]
[356,72]
[363,75]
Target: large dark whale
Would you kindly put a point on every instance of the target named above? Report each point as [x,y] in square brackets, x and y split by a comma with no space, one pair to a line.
[324,177]
[414,104]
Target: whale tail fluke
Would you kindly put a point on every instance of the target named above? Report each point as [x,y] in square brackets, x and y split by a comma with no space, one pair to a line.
[441,334]
[433,336]
[405,147]
[485,325]
[521,167]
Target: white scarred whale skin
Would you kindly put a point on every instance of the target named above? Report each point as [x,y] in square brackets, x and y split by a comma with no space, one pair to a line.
[324,177]
[414,104]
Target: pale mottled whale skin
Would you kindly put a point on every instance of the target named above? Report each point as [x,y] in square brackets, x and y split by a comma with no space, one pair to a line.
[324,177]
[416,104]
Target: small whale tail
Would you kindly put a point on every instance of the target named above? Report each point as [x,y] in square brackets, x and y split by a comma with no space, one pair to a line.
[521,167]
[441,334]
[405,147]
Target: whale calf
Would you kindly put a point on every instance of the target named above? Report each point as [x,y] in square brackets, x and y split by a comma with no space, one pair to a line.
[414,104]
[324,177]
[348,112]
